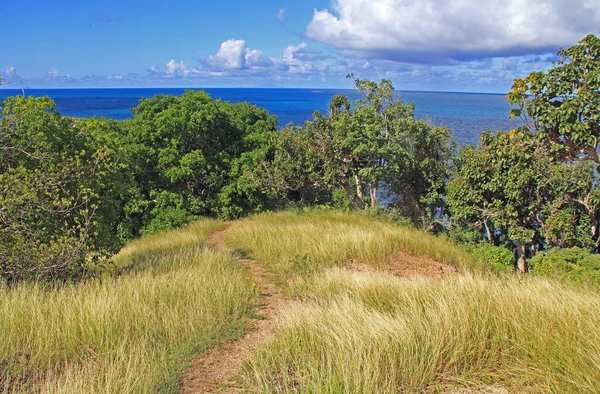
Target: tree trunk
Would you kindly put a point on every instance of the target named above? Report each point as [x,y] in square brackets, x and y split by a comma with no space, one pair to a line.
[522,253]
[359,191]
[373,193]
[489,233]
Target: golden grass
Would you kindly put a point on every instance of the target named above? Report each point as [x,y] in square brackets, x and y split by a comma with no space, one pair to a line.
[367,332]
[293,243]
[374,333]
[139,253]
[345,331]
[133,334]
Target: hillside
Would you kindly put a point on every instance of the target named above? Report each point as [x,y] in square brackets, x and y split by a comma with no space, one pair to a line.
[320,302]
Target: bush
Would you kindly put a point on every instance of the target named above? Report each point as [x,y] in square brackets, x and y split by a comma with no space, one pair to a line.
[575,264]
[499,258]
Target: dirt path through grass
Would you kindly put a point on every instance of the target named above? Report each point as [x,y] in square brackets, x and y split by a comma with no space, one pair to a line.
[213,371]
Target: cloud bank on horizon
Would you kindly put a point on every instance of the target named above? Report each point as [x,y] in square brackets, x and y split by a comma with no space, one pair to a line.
[420,45]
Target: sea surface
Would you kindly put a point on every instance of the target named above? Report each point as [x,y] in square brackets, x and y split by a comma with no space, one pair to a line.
[466,114]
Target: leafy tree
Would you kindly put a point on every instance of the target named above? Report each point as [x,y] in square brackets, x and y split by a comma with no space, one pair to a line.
[562,105]
[189,156]
[570,217]
[373,144]
[292,169]
[511,188]
[57,202]
[499,188]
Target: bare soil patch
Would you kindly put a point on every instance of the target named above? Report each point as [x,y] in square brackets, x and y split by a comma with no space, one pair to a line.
[406,265]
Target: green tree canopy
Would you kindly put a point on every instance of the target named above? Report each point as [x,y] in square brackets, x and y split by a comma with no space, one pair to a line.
[562,105]
[189,155]
[58,190]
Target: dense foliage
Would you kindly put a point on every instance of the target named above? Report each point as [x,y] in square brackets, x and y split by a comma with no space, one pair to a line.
[562,105]
[60,193]
[537,187]
[189,156]
[362,151]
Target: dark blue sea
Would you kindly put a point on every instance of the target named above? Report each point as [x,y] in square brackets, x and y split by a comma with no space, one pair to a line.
[466,114]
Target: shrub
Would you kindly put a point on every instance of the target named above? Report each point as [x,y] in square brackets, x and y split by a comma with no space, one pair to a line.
[575,264]
[499,258]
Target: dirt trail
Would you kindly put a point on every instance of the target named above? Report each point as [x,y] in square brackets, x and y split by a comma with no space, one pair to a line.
[213,371]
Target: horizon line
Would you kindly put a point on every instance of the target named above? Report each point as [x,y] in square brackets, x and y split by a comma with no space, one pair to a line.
[204,88]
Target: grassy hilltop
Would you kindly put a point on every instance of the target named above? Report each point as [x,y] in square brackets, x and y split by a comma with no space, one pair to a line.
[351,321]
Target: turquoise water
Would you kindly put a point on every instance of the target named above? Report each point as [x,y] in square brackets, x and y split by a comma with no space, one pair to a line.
[466,114]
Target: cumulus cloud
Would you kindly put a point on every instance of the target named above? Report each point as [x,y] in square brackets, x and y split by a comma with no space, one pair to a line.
[235,59]
[231,55]
[300,59]
[235,55]
[441,31]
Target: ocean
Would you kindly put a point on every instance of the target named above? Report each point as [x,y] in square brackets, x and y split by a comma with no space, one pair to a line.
[466,114]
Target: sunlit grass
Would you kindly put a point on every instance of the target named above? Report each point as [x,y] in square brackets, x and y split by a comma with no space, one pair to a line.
[374,333]
[293,243]
[137,252]
[132,334]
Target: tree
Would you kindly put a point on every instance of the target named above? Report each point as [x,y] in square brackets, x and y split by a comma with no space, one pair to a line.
[499,188]
[376,143]
[291,171]
[190,155]
[571,216]
[511,188]
[562,105]
[56,191]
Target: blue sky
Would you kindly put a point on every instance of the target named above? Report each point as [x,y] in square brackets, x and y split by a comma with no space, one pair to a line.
[460,45]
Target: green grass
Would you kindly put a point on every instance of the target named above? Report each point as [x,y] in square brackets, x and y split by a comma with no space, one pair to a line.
[131,334]
[292,243]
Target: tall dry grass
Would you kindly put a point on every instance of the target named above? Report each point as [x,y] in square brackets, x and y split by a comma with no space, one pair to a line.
[293,243]
[132,334]
[374,333]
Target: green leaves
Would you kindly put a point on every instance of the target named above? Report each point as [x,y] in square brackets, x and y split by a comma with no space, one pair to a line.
[59,191]
[563,104]
[200,149]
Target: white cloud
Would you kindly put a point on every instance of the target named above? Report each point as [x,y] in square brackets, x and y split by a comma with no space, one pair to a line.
[299,59]
[231,55]
[53,73]
[235,55]
[281,15]
[9,72]
[177,69]
[438,31]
